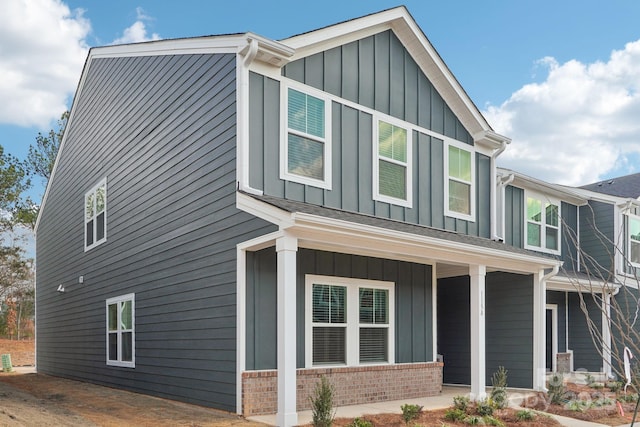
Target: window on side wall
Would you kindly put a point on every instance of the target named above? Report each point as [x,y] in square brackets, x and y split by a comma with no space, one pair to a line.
[121,331]
[392,165]
[460,186]
[306,153]
[95,215]
[349,322]
[634,240]
[542,223]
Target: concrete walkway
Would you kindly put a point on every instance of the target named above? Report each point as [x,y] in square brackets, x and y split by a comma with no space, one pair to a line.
[444,400]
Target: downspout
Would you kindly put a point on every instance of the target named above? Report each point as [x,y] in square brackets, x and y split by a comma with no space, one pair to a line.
[494,220]
[503,185]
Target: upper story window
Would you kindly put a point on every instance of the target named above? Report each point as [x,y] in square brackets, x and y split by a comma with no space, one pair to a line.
[349,321]
[542,223]
[95,215]
[121,331]
[306,149]
[634,240]
[392,165]
[460,186]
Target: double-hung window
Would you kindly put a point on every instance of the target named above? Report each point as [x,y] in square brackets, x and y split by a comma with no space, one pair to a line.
[460,188]
[95,215]
[392,164]
[542,223]
[349,321]
[121,331]
[306,153]
[634,239]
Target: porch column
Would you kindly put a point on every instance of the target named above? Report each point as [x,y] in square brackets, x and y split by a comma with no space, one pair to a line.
[286,248]
[539,331]
[477,275]
[606,333]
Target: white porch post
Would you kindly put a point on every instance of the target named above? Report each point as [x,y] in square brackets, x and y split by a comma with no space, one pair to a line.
[539,330]
[286,247]
[477,275]
[606,333]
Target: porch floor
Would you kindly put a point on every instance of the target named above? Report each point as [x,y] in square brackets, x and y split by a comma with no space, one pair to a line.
[443,400]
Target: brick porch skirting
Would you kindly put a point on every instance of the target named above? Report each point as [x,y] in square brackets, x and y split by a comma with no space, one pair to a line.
[353,385]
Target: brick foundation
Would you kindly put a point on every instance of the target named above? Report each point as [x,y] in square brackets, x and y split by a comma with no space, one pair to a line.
[353,385]
[563,362]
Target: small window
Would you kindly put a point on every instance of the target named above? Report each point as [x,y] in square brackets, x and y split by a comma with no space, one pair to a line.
[460,191]
[307,154]
[349,321]
[392,174]
[542,224]
[121,331]
[634,240]
[95,215]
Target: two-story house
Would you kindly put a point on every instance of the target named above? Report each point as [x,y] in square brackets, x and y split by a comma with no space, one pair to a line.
[232,217]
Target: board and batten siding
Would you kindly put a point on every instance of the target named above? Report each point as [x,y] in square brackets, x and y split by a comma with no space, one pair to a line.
[597,237]
[352,167]
[413,297]
[585,355]
[559,298]
[508,327]
[161,130]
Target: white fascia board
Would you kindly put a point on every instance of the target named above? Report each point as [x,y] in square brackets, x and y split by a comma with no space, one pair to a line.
[529,183]
[337,232]
[568,284]
[264,211]
[490,139]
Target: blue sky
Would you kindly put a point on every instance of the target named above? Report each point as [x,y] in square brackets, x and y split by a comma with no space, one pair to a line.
[558,77]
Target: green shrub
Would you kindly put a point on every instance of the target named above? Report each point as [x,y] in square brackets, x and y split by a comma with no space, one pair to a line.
[628,398]
[556,389]
[589,379]
[473,420]
[614,386]
[461,403]
[359,422]
[577,405]
[410,412]
[525,415]
[455,414]
[484,408]
[322,404]
[499,391]
[493,421]
[596,385]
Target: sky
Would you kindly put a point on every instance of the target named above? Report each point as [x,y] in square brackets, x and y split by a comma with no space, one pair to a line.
[560,78]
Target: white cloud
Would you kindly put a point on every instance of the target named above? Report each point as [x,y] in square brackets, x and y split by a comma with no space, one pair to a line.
[579,124]
[137,32]
[41,56]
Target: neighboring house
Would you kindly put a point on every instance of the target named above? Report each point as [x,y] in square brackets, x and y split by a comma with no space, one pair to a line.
[232,217]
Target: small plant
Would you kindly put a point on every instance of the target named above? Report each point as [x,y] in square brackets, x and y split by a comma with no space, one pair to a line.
[493,421]
[359,422]
[556,389]
[410,412]
[597,385]
[461,403]
[322,409]
[577,405]
[473,420]
[455,414]
[499,391]
[484,408]
[525,415]
[589,379]
[614,386]
[628,398]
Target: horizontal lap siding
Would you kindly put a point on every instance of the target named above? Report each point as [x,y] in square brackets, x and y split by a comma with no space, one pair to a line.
[414,312]
[378,73]
[161,129]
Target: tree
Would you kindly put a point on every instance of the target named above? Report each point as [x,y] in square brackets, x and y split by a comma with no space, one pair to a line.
[42,156]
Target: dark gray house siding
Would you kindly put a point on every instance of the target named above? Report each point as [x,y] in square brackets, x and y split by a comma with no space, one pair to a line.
[413,300]
[560,299]
[352,168]
[597,235]
[626,322]
[569,236]
[162,130]
[514,216]
[509,327]
[585,354]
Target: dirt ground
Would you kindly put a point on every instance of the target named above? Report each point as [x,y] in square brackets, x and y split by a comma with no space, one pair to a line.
[41,400]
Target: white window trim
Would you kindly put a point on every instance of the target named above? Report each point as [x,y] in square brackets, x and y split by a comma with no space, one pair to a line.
[472,191]
[628,239]
[377,118]
[353,320]
[117,300]
[543,224]
[284,136]
[95,243]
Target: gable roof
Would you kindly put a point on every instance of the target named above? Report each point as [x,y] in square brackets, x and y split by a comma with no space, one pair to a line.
[624,186]
[400,21]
